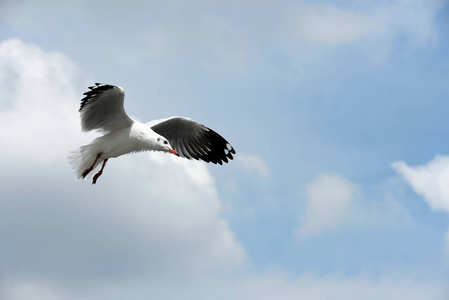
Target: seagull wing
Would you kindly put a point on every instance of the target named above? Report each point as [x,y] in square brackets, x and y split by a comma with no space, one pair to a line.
[194,140]
[102,108]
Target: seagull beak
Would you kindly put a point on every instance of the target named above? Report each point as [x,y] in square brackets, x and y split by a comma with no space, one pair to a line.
[173,151]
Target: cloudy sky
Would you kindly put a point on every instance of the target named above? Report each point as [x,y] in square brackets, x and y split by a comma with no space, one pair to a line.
[337,111]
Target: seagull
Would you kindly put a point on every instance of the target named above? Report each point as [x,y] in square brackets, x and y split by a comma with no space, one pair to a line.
[102,109]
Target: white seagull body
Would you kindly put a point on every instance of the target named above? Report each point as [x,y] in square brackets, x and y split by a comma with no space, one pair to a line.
[102,109]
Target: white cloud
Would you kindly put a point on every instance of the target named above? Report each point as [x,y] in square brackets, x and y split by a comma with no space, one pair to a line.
[38,100]
[149,214]
[253,165]
[430,181]
[334,202]
[330,202]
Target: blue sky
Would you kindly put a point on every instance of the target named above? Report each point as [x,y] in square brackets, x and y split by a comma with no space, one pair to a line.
[337,111]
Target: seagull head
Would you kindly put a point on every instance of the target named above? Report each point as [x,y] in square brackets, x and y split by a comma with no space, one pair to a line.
[165,146]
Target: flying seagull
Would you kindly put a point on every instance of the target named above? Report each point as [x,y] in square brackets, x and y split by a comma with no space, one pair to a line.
[102,109]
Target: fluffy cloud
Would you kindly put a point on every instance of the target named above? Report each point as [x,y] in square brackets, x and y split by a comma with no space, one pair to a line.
[150,215]
[330,203]
[430,181]
[334,202]
[253,164]
[38,101]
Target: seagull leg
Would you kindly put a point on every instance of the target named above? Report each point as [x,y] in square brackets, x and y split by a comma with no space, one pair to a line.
[94,181]
[91,167]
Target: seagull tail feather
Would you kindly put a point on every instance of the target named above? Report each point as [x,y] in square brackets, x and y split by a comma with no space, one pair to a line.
[81,159]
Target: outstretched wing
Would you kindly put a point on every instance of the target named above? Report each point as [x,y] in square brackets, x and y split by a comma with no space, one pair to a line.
[102,108]
[194,140]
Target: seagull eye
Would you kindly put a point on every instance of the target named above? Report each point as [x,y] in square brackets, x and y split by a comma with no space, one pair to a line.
[165,142]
